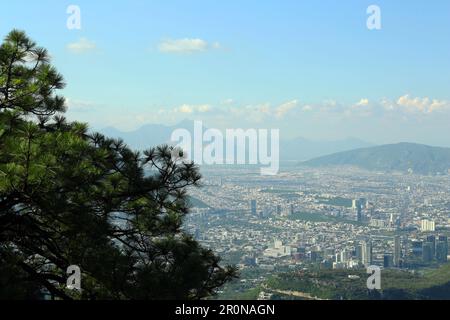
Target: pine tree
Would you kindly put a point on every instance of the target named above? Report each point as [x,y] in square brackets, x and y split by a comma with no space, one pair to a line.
[71,197]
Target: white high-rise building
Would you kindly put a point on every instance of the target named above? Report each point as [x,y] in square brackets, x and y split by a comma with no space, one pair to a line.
[277,244]
[344,256]
[391,220]
[427,226]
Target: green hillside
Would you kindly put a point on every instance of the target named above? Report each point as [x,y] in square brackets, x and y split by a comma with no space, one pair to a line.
[401,157]
[396,284]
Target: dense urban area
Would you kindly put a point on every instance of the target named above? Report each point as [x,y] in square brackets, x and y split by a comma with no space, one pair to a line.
[307,222]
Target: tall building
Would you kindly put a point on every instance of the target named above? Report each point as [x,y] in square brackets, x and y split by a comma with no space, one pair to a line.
[366,253]
[337,258]
[277,244]
[341,257]
[387,261]
[358,252]
[442,249]
[397,251]
[363,203]
[357,206]
[432,239]
[427,252]
[391,220]
[404,251]
[427,226]
[360,205]
[417,248]
[314,256]
[359,216]
[253,207]
[344,255]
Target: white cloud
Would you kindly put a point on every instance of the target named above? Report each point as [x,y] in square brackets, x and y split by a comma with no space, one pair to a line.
[232,112]
[413,104]
[361,108]
[189,109]
[82,46]
[438,105]
[421,105]
[186,109]
[203,108]
[186,45]
[363,103]
[282,110]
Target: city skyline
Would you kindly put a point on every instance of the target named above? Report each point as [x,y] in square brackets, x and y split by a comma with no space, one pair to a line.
[337,221]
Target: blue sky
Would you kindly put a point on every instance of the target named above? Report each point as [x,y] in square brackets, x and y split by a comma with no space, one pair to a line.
[311,68]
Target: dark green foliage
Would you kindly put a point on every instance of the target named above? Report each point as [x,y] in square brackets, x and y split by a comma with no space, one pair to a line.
[431,284]
[69,197]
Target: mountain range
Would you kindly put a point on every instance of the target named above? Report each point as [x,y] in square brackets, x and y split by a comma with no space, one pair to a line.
[402,157]
[298,149]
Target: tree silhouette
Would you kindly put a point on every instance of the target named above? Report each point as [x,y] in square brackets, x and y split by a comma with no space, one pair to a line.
[69,197]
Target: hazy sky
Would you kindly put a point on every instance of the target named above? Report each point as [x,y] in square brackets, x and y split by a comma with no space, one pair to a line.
[311,68]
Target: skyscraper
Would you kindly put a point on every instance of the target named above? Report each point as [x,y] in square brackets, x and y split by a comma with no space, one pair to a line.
[427,226]
[253,207]
[397,251]
[442,249]
[366,253]
[391,220]
[359,213]
[387,261]
[358,252]
[432,240]
[344,255]
[427,252]
[360,205]
[314,256]
[363,203]
[417,248]
[337,258]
